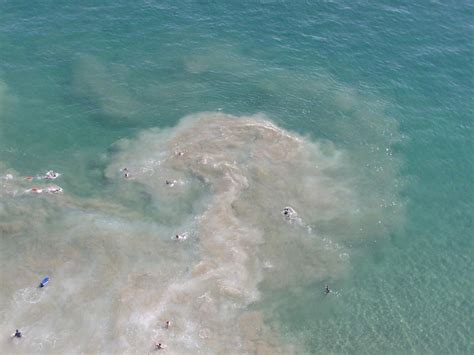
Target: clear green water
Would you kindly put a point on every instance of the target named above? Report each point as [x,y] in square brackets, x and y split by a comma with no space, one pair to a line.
[388,86]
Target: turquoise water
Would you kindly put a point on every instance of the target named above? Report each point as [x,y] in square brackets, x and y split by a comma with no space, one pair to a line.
[374,103]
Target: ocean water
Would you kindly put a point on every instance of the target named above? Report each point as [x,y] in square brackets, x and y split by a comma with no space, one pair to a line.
[358,115]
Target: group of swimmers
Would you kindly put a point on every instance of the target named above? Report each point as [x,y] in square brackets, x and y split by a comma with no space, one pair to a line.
[126,175]
[288,213]
[42,284]
[161,346]
[50,175]
[51,189]
[171,183]
[158,346]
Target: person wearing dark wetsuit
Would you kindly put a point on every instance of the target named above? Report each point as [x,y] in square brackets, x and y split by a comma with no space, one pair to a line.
[17,334]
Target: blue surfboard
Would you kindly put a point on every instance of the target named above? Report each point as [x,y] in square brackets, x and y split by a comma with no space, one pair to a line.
[44,282]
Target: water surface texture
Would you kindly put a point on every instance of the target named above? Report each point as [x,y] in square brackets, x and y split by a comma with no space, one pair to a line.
[354,115]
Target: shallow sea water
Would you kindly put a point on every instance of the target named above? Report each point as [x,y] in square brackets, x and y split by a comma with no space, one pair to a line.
[357,116]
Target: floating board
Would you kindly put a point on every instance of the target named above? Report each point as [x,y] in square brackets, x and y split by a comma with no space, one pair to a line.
[44,282]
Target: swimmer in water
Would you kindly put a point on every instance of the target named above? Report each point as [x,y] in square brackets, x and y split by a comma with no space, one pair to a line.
[54,189]
[125,173]
[170,183]
[51,175]
[180,237]
[326,289]
[288,212]
[159,346]
[167,324]
[17,334]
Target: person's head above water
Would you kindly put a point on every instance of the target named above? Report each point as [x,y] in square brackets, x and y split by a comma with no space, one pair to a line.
[159,346]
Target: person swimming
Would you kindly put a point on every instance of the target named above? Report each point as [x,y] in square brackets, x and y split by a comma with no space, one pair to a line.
[181,236]
[51,175]
[159,346]
[167,324]
[327,290]
[170,183]
[125,172]
[289,213]
[17,334]
[54,189]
